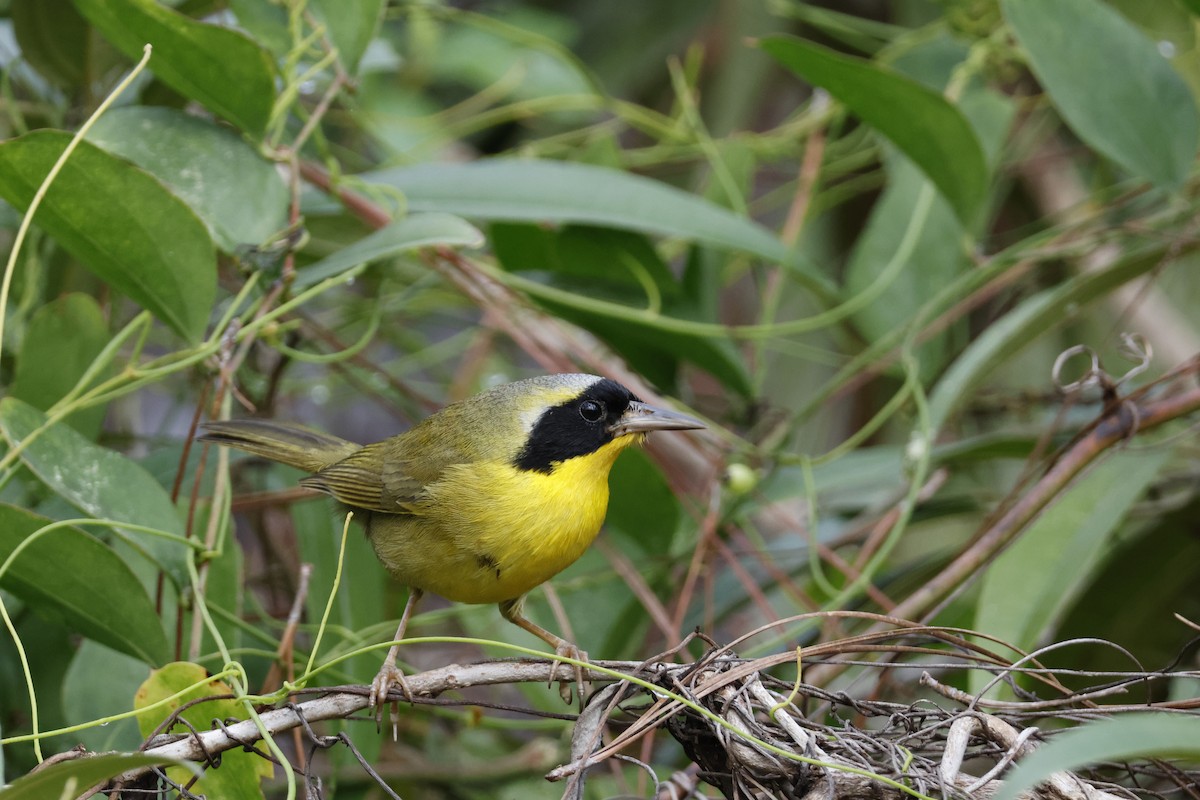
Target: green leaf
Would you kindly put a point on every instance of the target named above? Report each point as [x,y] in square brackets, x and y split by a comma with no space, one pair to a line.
[70,778]
[53,38]
[241,771]
[221,68]
[410,233]
[63,339]
[1111,85]
[1059,554]
[922,123]
[99,482]
[120,222]
[553,191]
[1129,736]
[237,193]
[352,25]
[59,575]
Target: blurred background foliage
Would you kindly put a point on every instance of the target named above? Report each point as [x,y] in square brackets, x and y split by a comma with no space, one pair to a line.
[855,236]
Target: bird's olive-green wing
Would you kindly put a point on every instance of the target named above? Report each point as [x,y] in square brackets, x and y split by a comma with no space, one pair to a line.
[390,475]
[372,478]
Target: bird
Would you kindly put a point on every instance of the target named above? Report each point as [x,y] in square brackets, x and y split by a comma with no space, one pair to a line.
[482,501]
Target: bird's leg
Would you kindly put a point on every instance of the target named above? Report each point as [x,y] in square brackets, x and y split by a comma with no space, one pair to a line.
[389,674]
[511,611]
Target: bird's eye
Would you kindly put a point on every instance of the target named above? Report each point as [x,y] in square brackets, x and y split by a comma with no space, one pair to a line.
[591,410]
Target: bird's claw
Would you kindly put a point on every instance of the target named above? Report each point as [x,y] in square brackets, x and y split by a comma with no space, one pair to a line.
[389,676]
[568,650]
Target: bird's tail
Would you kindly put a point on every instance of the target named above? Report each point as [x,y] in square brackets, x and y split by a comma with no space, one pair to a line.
[289,444]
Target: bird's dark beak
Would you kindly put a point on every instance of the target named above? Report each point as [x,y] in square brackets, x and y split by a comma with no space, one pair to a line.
[642,418]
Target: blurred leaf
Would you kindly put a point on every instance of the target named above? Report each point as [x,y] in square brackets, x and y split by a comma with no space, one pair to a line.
[1111,85]
[620,266]
[63,339]
[69,778]
[922,123]
[1029,320]
[352,25]
[1058,555]
[237,193]
[62,575]
[1164,585]
[99,482]
[221,68]
[410,233]
[643,509]
[937,258]
[53,38]
[100,683]
[120,222]
[241,772]
[266,22]
[514,47]
[1129,736]
[550,191]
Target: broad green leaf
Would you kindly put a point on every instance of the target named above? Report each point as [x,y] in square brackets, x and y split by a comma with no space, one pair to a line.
[120,222]
[241,772]
[237,193]
[53,38]
[1059,554]
[99,482]
[222,68]
[70,778]
[1011,333]
[100,683]
[552,191]
[919,121]
[352,25]
[63,338]
[1123,738]
[1111,85]
[61,575]
[410,233]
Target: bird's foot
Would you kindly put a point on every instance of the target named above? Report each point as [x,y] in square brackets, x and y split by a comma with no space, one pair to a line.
[567,650]
[389,676]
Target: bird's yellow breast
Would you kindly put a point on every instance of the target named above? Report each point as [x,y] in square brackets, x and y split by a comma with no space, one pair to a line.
[486,532]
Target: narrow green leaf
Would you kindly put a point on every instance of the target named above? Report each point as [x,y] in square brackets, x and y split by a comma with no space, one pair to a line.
[63,338]
[61,575]
[922,123]
[1111,85]
[120,222]
[99,482]
[410,233]
[352,25]
[70,778]
[224,69]
[237,193]
[554,191]
[1059,554]
[1162,735]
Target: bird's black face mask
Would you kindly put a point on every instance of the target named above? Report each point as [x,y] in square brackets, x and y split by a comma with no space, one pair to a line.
[575,428]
